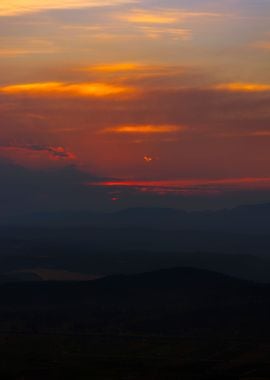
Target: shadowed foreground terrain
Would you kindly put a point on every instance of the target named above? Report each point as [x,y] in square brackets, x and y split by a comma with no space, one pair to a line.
[178,323]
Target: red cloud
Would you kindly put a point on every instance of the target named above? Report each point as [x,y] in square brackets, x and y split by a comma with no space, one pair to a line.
[190,186]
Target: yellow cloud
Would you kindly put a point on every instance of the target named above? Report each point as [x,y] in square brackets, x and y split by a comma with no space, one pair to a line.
[243,87]
[17,7]
[163,17]
[144,129]
[59,88]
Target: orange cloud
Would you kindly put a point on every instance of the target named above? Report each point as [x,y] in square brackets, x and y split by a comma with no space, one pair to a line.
[148,159]
[117,67]
[243,87]
[135,70]
[263,45]
[16,47]
[145,129]
[20,52]
[59,88]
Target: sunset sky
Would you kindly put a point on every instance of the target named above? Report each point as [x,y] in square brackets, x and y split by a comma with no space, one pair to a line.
[107,104]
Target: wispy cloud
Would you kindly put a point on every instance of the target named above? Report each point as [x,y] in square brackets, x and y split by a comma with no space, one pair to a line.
[175,33]
[17,7]
[254,133]
[163,16]
[22,46]
[164,23]
[15,52]
[147,17]
[262,45]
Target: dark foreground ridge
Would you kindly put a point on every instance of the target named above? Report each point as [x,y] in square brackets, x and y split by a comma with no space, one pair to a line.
[173,301]
[180,323]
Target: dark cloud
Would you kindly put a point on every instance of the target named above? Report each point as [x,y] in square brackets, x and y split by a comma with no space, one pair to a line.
[56,152]
[26,191]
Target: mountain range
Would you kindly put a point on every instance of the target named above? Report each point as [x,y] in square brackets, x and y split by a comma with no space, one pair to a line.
[245,218]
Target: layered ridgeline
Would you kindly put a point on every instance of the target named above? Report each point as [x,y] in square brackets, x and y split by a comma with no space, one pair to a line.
[246,218]
[84,246]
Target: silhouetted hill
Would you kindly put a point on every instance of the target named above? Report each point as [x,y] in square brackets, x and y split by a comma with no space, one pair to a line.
[172,280]
[177,281]
[167,301]
[183,322]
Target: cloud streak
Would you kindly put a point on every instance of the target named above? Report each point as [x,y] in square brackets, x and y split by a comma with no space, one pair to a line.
[117,67]
[189,186]
[19,7]
[145,129]
[243,87]
[164,16]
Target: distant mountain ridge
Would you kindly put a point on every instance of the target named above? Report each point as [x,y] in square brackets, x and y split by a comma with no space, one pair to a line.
[246,218]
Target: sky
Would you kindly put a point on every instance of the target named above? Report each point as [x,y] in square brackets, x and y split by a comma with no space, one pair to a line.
[107,104]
